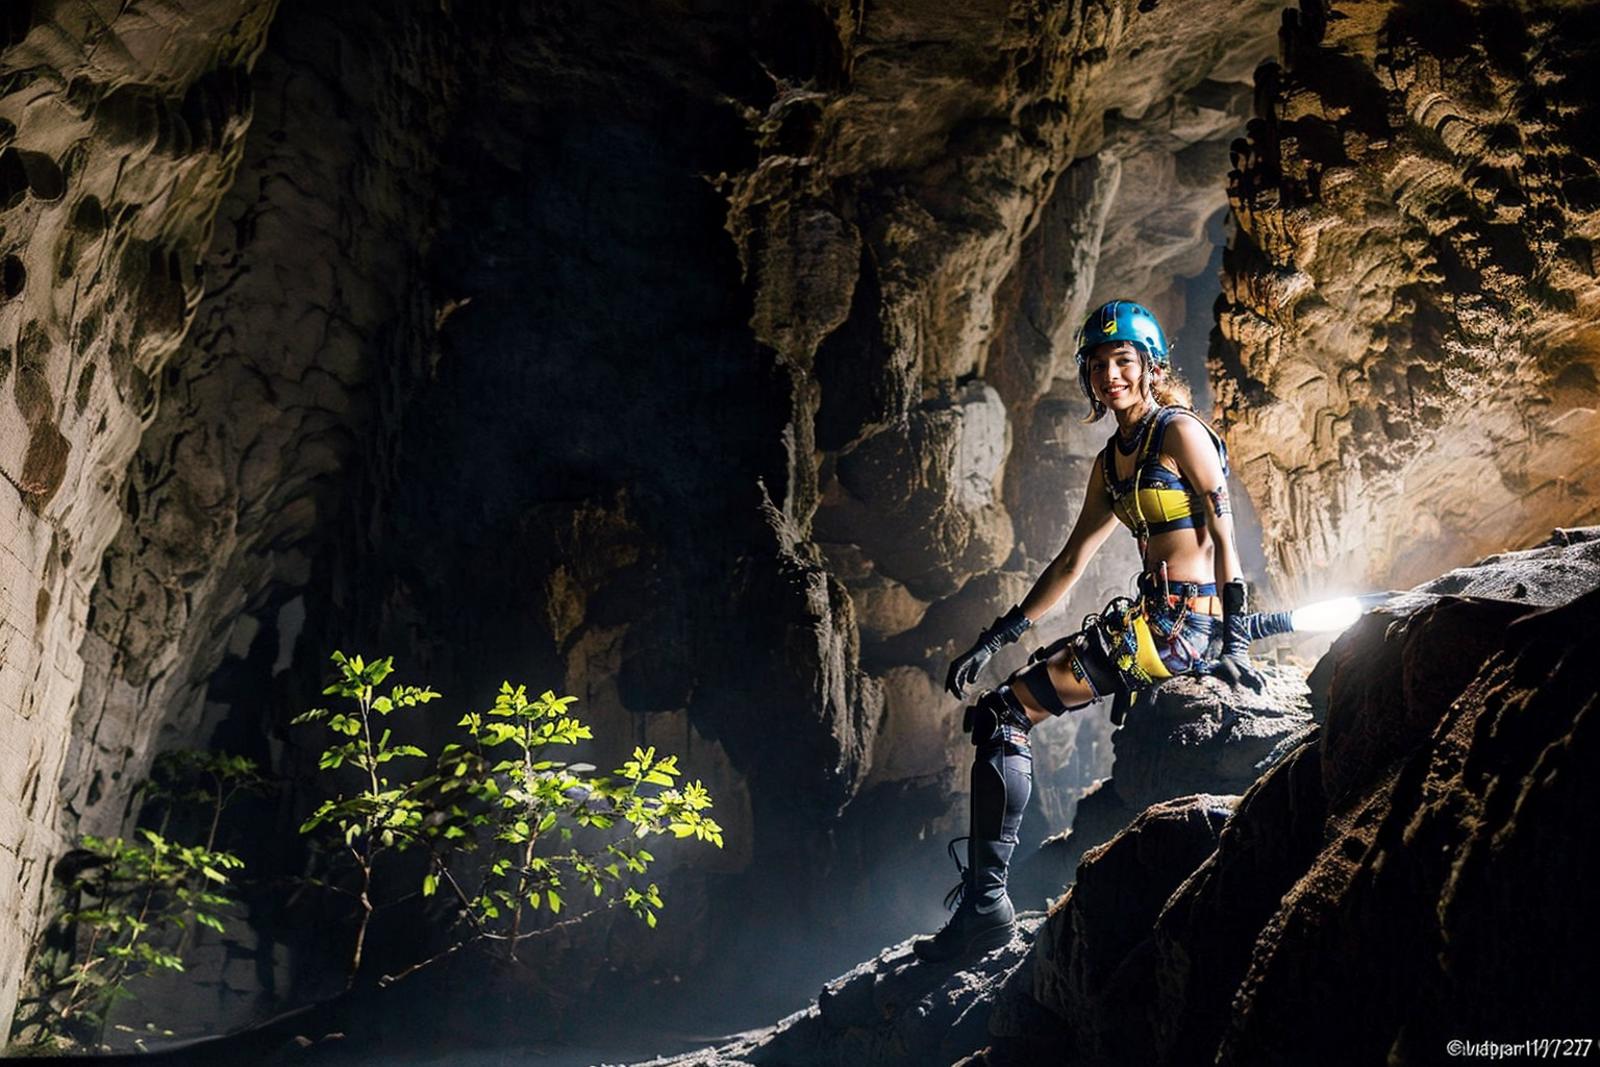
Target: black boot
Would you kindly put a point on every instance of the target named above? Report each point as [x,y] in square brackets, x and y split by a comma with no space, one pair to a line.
[1002,778]
[977,926]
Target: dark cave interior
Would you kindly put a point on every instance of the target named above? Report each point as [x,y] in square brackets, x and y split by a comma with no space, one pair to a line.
[713,363]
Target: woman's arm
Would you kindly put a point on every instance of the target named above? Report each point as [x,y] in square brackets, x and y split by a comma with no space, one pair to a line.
[1094,525]
[1088,534]
[1188,442]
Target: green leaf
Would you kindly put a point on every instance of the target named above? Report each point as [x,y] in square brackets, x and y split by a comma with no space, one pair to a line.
[430,884]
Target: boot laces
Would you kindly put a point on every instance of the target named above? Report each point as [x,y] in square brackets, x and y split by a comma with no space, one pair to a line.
[954,898]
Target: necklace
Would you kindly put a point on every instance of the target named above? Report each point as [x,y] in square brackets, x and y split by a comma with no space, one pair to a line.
[1129,443]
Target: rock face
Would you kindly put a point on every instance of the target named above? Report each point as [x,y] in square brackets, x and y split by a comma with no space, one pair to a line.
[1373,896]
[1410,295]
[1373,869]
[119,133]
[1185,736]
[716,366]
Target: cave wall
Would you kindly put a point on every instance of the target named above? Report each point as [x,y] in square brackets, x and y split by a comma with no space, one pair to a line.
[919,271]
[851,244]
[120,130]
[1406,352]
[263,451]
[715,365]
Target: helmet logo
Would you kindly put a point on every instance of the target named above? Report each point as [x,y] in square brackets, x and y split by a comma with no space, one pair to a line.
[1110,325]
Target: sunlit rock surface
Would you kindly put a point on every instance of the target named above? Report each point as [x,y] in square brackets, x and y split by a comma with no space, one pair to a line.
[120,129]
[1407,355]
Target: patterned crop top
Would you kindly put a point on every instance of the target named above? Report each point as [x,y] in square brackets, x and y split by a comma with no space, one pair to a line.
[1164,501]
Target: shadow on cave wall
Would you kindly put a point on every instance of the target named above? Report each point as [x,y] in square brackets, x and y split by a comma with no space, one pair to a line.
[571,494]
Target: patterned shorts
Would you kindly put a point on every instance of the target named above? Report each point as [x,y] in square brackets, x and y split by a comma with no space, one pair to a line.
[1133,643]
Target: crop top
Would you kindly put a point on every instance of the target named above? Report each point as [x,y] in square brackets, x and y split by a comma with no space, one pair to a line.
[1164,500]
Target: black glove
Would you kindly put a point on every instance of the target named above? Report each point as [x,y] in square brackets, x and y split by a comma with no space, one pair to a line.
[1234,667]
[964,669]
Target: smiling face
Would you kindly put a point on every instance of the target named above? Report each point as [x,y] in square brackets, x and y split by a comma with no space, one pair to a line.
[1116,374]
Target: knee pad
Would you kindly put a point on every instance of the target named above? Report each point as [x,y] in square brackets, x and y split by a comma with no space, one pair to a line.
[997,716]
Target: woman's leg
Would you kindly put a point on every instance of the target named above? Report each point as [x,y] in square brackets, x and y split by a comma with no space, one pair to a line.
[1071,692]
[1002,780]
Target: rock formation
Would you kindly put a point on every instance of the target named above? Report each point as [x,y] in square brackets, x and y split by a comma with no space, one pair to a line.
[1186,736]
[1368,898]
[715,365]
[1410,295]
[119,135]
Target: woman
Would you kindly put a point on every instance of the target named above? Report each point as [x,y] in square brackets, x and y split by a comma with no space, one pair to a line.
[1163,474]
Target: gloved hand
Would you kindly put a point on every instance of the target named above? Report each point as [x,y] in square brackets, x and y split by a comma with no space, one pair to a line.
[1234,667]
[965,667]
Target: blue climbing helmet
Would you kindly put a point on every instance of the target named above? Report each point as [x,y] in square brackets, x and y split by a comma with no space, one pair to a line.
[1123,320]
[1119,320]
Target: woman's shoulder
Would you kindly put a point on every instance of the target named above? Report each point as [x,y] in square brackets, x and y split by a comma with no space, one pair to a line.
[1185,422]
[1182,428]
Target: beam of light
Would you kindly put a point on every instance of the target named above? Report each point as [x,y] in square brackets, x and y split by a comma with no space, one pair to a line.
[1327,616]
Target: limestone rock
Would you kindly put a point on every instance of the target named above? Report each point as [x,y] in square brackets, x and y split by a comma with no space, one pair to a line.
[1093,968]
[1408,292]
[1185,736]
[116,146]
[924,506]
[1204,936]
[1419,835]
[891,1010]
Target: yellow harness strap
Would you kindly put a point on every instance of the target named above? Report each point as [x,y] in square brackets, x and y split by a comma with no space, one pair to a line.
[1148,658]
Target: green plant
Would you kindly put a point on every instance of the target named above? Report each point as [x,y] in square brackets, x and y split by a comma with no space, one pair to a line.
[379,816]
[508,831]
[131,904]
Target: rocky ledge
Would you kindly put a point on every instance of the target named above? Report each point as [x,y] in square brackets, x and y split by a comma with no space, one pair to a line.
[1365,899]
